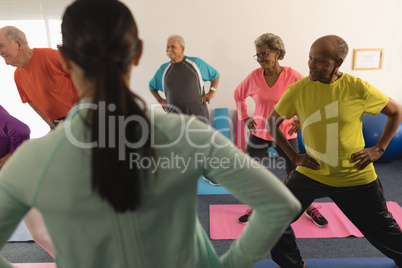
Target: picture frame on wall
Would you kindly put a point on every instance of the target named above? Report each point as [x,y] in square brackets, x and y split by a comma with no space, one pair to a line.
[368,59]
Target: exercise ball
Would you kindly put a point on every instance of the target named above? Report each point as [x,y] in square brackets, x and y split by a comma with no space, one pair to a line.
[272,153]
[300,140]
[372,130]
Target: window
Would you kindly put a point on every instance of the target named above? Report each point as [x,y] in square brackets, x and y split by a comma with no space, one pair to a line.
[40,20]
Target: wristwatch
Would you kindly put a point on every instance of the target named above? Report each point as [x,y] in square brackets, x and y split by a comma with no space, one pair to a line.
[212,89]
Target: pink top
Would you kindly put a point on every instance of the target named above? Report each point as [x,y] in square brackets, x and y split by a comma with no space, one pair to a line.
[265,98]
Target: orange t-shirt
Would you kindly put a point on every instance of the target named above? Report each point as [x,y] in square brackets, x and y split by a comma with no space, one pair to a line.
[44,83]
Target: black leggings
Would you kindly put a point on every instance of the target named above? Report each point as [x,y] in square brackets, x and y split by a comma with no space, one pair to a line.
[257,148]
[364,205]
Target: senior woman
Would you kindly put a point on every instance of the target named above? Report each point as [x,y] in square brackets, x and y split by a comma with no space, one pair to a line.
[266,85]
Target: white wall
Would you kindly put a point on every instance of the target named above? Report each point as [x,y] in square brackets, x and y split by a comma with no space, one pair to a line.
[222,32]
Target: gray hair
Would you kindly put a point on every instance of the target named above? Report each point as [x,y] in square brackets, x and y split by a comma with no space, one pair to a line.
[14,34]
[178,38]
[343,48]
[273,41]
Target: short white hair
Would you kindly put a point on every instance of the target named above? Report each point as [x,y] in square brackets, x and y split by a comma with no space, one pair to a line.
[272,41]
[14,34]
[178,38]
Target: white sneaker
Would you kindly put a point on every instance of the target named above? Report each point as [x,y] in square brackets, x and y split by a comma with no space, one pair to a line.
[210,182]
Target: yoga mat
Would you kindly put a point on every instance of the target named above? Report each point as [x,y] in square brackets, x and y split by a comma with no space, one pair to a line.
[312,263]
[240,139]
[35,265]
[224,224]
[204,188]
[221,121]
[336,263]
[21,233]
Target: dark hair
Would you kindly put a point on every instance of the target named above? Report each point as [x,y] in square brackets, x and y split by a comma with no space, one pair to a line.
[101,37]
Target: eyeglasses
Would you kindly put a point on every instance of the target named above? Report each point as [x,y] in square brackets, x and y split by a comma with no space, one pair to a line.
[262,55]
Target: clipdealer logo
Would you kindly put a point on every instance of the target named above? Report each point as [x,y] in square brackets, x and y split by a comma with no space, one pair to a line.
[115,126]
[330,156]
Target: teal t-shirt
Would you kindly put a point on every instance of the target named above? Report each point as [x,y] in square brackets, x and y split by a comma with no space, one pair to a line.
[183,85]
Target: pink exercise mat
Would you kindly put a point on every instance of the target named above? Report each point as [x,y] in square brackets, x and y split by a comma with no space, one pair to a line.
[224,224]
[34,265]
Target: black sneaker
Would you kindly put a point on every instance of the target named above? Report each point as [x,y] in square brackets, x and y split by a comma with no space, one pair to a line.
[316,217]
[304,266]
[243,219]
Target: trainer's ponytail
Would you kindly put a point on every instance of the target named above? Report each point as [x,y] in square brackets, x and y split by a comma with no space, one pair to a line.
[102,39]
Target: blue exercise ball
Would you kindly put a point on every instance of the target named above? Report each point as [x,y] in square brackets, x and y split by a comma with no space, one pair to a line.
[300,140]
[272,153]
[372,130]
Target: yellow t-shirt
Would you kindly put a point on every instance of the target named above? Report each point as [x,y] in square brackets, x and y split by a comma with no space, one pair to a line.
[331,120]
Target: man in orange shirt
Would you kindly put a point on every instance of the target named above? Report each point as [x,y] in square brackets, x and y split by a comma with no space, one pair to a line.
[48,89]
[39,77]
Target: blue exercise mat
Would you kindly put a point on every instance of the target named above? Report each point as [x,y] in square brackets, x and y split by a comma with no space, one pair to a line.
[336,263]
[221,121]
[204,188]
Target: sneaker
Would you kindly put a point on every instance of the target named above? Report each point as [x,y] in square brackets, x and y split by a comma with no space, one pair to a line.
[211,182]
[243,219]
[304,266]
[316,217]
